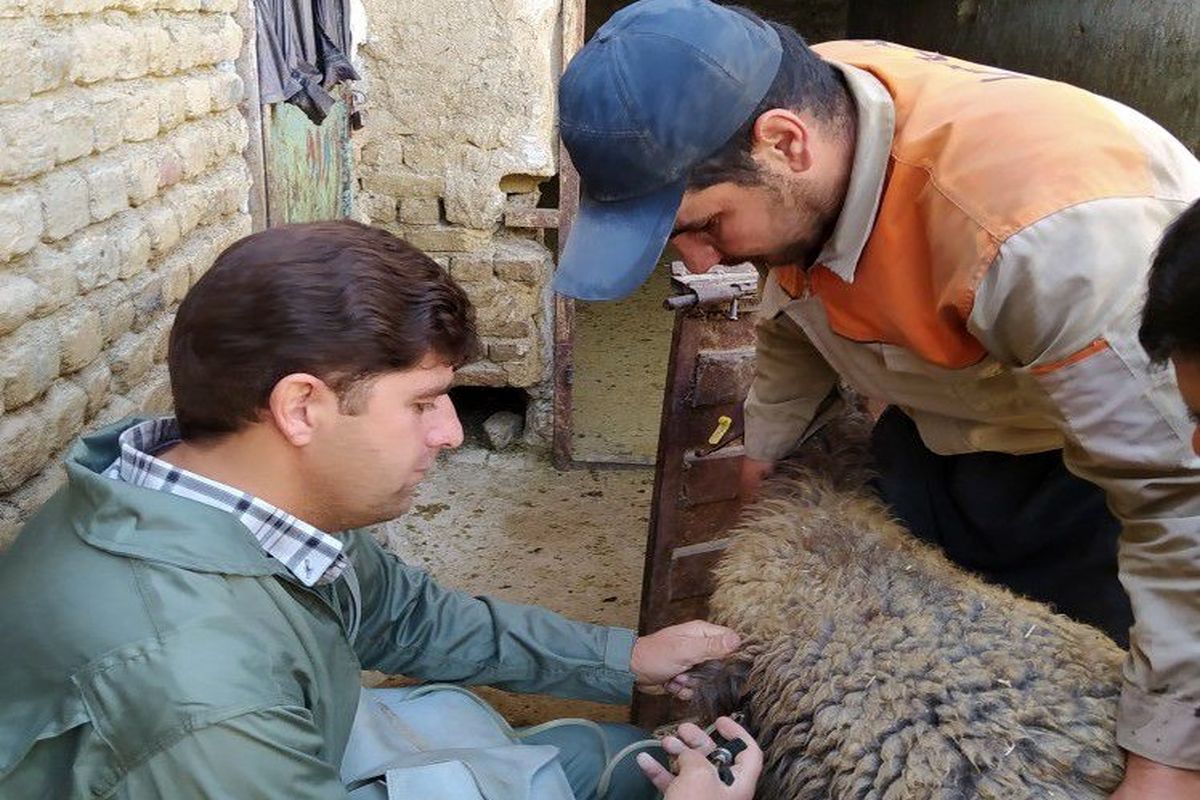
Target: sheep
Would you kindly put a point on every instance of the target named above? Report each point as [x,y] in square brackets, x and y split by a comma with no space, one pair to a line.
[872,667]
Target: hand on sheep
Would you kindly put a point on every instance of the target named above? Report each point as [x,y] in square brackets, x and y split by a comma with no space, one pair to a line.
[752,476]
[1149,779]
[661,660]
[697,778]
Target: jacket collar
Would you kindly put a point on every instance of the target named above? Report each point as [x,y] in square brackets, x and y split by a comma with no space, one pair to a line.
[873,144]
[131,521]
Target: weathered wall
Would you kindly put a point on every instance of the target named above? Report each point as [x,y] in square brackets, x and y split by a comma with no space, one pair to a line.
[1145,53]
[816,20]
[120,179]
[460,123]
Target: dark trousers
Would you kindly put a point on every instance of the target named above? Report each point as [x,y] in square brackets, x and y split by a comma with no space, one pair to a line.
[1024,522]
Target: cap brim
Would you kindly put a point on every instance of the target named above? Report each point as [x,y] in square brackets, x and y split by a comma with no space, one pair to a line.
[613,246]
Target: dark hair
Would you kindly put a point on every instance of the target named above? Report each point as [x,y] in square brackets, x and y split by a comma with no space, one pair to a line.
[804,82]
[339,300]
[1171,317]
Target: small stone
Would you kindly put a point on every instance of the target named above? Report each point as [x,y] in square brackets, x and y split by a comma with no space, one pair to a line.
[20,223]
[117,409]
[25,149]
[29,362]
[153,396]
[94,380]
[480,373]
[529,269]
[65,203]
[503,428]
[197,97]
[506,350]
[108,190]
[64,410]
[141,179]
[444,238]
[420,210]
[163,227]
[18,299]
[55,274]
[130,358]
[96,258]
[471,268]
[80,332]
[377,207]
[25,445]
[396,181]
[140,123]
[71,129]
[115,306]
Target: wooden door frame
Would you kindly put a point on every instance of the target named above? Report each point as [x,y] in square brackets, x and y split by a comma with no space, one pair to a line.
[573,17]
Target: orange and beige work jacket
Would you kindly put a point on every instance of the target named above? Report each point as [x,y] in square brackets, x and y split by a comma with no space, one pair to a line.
[986,275]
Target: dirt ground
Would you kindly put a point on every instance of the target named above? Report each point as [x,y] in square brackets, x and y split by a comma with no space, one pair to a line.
[511,526]
[621,351]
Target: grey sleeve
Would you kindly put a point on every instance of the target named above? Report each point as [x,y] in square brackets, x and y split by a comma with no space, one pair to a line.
[413,626]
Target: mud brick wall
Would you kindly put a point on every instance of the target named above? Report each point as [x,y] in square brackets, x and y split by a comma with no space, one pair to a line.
[460,126]
[121,177]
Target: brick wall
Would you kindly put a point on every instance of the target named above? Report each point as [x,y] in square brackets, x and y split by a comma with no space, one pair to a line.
[460,128]
[121,177]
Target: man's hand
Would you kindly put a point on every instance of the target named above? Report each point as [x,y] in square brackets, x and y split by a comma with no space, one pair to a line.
[697,778]
[753,473]
[661,660]
[1145,779]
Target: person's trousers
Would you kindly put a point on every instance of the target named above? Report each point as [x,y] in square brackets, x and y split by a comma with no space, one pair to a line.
[1024,522]
[582,757]
[438,740]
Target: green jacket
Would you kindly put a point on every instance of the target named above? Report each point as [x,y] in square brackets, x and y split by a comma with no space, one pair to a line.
[149,648]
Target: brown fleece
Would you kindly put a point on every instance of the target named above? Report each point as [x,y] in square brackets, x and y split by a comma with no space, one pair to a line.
[874,668]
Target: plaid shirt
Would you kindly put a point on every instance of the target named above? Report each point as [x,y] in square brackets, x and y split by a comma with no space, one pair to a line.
[311,555]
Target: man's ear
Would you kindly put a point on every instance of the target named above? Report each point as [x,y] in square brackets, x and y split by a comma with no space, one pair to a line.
[782,140]
[298,404]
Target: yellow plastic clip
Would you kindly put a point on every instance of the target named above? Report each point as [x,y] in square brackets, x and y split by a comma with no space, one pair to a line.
[723,423]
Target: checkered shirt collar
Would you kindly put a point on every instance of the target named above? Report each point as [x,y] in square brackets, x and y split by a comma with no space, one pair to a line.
[313,556]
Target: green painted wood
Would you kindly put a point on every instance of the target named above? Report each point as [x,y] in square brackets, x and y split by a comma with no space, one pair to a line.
[308,167]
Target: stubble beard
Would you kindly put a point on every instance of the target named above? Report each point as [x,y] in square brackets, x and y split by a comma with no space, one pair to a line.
[813,212]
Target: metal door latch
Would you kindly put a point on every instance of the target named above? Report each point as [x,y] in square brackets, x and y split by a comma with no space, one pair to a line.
[721,284]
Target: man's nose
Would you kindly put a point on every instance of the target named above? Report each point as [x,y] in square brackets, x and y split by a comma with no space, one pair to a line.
[697,256]
[447,431]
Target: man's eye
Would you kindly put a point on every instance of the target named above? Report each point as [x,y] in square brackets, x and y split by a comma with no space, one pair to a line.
[424,407]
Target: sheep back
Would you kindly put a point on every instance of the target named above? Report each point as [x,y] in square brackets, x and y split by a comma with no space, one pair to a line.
[875,668]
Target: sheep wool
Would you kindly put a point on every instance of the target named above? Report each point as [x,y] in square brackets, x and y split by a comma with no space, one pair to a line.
[872,667]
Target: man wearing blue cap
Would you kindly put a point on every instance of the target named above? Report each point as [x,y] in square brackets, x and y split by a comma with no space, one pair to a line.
[965,243]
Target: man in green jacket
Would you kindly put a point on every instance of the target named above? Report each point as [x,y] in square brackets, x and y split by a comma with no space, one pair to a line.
[181,621]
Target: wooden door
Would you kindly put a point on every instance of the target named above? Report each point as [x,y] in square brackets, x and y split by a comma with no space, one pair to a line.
[699,453]
[307,167]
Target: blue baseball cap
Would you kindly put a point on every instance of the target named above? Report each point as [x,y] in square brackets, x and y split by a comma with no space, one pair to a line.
[659,88]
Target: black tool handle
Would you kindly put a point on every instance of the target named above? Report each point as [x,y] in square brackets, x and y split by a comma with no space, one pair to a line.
[723,756]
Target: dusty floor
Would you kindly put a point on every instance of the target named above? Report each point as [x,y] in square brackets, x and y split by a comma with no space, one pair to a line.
[621,351]
[509,525]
